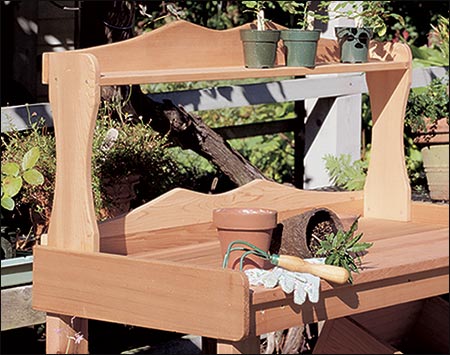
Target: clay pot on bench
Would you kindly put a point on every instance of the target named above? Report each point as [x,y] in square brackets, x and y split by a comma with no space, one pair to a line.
[253,225]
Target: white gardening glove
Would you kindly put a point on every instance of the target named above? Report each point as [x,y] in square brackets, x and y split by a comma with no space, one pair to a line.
[301,284]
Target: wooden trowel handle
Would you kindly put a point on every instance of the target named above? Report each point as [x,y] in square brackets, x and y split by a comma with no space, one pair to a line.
[331,273]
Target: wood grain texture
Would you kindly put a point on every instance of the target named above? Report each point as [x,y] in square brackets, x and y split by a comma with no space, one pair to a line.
[196,208]
[240,72]
[387,192]
[344,336]
[74,96]
[153,294]
[343,301]
[393,323]
[211,62]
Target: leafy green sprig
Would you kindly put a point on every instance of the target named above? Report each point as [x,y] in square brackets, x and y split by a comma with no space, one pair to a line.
[342,249]
[372,14]
[257,8]
[304,14]
[14,176]
[427,105]
[346,174]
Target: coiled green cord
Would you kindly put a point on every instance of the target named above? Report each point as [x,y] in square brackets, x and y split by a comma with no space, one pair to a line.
[249,249]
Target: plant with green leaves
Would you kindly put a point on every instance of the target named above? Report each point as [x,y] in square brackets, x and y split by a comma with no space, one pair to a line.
[373,14]
[343,248]
[257,8]
[304,13]
[426,105]
[436,52]
[14,176]
[345,174]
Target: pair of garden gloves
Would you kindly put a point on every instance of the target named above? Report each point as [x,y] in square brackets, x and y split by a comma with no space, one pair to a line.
[301,284]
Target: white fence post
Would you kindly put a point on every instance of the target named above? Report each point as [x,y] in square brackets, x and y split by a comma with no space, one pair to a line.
[339,120]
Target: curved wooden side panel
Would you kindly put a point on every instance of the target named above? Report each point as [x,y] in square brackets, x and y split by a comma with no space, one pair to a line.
[180,207]
[387,192]
[74,96]
[390,51]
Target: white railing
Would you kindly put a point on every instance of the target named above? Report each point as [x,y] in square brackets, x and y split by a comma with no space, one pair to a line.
[21,117]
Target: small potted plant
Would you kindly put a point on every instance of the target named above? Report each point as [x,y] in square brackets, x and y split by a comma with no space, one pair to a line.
[260,44]
[370,17]
[301,42]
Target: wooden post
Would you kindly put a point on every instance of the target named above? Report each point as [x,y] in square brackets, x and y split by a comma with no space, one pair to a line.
[387,192]
[250,345]
[74,94]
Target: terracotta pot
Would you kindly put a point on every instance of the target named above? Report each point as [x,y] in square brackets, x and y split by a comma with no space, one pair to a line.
[436,132]
[253,225]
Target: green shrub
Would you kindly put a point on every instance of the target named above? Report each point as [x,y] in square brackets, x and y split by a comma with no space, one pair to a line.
[130,152]
[427,104]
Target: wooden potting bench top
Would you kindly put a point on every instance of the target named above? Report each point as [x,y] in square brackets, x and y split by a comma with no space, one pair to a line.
[159,266]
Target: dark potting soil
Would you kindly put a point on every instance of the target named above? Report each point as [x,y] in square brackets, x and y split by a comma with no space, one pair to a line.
[318,233]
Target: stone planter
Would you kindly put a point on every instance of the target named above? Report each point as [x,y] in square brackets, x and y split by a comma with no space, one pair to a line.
[253,225]
[435,154]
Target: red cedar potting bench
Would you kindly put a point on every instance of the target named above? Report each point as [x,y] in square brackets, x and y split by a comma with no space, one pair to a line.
[159,266]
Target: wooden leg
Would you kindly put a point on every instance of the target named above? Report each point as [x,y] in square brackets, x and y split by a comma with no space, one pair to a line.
[71,228]
[209,345]
[66,335]
[387,192]
[250,345]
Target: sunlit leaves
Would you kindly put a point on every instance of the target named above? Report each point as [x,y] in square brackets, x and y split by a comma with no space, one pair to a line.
[342,248]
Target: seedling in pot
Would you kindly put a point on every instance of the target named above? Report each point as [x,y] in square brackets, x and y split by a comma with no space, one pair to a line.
[257,8]
[304,14]
[372,14]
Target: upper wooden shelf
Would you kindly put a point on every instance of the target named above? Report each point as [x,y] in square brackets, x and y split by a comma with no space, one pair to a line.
[163,55]
[231,73]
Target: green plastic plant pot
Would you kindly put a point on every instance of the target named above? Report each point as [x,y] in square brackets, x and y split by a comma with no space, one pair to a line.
[260,48]
[353,43]
[301,47]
